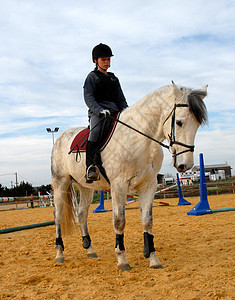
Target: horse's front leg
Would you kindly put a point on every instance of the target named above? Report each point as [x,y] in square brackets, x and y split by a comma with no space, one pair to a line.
[119,202]
[86,196]
[146,205]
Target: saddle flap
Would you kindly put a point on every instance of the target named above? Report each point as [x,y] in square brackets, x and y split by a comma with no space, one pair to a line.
[80,141]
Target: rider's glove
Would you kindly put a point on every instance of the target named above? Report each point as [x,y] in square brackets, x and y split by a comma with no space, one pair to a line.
[105,113]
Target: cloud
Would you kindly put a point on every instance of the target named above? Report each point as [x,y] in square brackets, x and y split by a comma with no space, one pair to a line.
[45,56]
[28,156]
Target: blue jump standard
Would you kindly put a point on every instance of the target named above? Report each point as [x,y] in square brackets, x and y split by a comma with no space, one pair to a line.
[182,201]
[100,208]
[202,207]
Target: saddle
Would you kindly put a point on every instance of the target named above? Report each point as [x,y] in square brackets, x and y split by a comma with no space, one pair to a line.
[80,141]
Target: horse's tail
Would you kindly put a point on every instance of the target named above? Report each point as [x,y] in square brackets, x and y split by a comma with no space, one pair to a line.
[70,212]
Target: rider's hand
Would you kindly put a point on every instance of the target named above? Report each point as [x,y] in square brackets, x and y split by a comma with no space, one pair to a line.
[105,113]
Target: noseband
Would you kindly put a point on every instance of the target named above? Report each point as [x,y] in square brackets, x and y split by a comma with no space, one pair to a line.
[172,134]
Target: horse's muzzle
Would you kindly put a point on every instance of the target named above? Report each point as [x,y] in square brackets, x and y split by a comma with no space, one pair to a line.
[181,168]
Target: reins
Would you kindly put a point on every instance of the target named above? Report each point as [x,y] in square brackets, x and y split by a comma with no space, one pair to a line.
[171,136]
[147,136]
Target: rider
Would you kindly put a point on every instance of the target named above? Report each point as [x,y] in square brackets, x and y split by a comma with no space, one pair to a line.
[103,96]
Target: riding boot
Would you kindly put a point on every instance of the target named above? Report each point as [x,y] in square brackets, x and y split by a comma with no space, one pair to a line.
[91,169]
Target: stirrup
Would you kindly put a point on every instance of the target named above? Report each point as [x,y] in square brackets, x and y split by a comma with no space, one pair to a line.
[90,179]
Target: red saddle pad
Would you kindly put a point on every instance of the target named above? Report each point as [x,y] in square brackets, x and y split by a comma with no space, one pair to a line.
[80,140]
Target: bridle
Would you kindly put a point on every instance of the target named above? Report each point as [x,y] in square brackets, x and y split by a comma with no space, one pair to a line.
[172,134]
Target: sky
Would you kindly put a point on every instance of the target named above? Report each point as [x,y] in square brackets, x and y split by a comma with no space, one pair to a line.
[45,56]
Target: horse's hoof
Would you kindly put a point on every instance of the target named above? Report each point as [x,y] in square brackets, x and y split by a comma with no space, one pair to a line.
[157,267]
[124,267]
[59,260]
[92,255]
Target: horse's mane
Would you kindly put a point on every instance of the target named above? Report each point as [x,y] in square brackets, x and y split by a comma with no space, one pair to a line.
[197,106]
[195,100]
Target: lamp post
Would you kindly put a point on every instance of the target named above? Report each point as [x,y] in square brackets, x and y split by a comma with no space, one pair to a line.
[49,130]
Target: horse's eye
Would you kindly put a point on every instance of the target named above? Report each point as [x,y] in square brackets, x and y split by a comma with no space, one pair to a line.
[179,123]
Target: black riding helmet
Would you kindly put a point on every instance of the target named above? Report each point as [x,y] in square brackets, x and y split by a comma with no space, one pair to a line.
[101,50]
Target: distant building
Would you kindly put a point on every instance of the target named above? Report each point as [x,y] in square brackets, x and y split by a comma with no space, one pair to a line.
[186,178]
[169,181]
[217,171]
[212,173]
[160,178]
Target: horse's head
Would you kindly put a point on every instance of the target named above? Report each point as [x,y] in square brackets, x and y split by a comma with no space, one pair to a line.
[180,127]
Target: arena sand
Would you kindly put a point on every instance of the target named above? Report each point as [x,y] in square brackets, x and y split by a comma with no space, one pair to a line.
[197,253]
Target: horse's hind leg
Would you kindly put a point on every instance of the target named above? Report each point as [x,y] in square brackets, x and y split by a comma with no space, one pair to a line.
[60,196]
[86,196]
[119,202]
[146,204]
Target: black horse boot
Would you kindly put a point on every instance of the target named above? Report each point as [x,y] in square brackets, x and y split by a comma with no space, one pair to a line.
[91,169]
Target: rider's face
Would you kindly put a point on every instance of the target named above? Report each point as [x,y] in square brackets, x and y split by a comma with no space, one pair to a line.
[103,63]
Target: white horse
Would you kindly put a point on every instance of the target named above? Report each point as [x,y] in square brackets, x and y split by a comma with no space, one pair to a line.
[132,162]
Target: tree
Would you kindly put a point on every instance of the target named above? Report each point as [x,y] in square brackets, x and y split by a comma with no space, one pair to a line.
[24,189]
[2,188]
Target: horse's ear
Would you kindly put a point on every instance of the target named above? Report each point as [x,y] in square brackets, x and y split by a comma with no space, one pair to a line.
[176,90]
[204,91]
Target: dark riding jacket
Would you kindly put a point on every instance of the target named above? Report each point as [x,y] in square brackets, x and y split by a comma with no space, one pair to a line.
[103,91]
